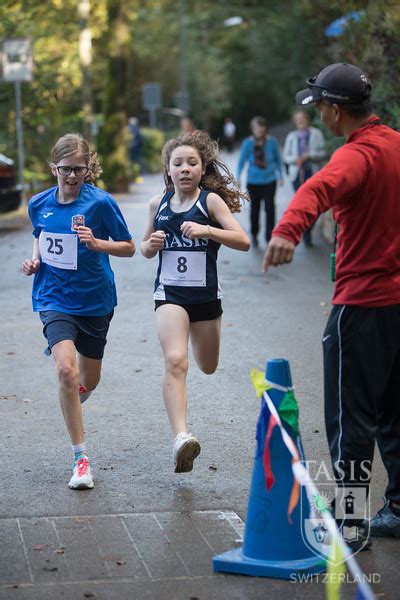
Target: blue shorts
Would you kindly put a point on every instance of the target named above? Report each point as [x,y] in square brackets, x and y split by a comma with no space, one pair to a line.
[89,334]
[203,311]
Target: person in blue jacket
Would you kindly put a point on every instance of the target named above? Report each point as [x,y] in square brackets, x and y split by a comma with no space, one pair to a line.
[76,227]
[261,152]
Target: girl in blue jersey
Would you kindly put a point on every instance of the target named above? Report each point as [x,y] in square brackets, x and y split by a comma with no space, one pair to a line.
[186,227]
[76,227]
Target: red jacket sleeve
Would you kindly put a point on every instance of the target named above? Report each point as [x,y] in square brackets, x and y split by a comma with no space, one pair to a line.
[335,183]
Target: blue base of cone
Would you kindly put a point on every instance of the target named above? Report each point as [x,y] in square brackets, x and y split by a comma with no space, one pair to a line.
[233,561]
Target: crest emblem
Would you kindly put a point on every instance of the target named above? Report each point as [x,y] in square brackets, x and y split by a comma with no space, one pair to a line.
[77,221]
[349,508]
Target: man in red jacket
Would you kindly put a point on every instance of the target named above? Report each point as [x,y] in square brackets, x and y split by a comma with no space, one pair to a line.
[361,343]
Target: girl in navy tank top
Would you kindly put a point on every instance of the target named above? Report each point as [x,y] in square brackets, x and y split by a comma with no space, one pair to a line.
[186,227]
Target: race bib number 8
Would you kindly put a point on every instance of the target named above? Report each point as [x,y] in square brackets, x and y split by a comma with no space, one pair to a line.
[183,268]
[59,250]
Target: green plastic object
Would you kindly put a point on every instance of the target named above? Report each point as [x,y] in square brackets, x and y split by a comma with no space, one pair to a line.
[333,266]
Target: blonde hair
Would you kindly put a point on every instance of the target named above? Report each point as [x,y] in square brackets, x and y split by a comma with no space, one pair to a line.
[217,177]
[71,143]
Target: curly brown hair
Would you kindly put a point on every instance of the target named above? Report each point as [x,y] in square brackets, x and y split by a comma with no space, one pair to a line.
[70,144]
[217,177]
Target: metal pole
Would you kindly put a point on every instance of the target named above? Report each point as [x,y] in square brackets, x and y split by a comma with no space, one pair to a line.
[182,57]
[85,53]
[153,118]
[20,134]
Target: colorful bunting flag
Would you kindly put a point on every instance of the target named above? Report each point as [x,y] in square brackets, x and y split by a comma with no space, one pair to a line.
[260,385]
[294,497]
[269,418]
[269,476]
[289,411]
[259,382]
[336,570]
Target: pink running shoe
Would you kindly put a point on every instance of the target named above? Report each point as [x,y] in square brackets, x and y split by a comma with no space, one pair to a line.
[81,475]
[83,393]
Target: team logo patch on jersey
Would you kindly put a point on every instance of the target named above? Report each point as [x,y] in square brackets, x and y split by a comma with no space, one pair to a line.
[77,221]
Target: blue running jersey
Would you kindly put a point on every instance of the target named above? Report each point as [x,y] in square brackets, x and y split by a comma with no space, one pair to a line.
[73,279]
[187,269]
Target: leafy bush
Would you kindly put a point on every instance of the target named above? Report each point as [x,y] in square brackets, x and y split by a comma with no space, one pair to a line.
[153,141]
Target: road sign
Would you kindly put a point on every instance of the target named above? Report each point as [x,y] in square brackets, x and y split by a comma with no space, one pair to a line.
[151,96]
[17,67]
[17,60]
[182,101]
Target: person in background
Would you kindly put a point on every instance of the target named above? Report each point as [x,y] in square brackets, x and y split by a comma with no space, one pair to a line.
[303,151]
[136,147]
[261,152]
[187,125]
[229,134]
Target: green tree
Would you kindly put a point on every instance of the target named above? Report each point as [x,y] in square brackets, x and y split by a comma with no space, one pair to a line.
[252,68]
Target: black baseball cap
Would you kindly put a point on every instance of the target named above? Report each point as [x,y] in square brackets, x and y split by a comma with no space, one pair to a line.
[340,82]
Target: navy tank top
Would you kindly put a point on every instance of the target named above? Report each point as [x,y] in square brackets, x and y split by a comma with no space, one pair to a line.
[187,269]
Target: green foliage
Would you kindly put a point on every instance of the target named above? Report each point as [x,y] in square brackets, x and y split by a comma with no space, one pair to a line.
[153,141]
[374,44]
[37,179]
[114,152]
[240,71]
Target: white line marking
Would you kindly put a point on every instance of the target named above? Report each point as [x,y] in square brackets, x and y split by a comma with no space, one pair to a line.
[25,550]
[136,548]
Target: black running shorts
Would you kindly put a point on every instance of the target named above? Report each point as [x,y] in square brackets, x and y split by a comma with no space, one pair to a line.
[89,333]
[204,311]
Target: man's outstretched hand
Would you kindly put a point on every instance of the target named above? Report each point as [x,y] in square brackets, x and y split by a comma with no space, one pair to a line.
[279,251]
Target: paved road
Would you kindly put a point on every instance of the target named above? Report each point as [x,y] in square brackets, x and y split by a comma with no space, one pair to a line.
[145,532]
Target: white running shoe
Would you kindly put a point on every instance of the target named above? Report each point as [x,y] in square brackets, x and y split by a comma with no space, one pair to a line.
[186,449]
[81,475]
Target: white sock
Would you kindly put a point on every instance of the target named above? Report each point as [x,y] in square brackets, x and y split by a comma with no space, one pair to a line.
[78,450]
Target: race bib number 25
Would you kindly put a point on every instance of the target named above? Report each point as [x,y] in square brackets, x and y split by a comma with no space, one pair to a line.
[59,250]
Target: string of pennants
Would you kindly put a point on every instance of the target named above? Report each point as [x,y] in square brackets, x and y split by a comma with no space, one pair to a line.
[288,412]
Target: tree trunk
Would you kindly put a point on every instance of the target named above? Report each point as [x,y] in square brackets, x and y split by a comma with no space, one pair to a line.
[85,54]
[114,135]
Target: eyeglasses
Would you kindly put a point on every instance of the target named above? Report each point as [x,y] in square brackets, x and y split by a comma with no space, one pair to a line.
[78,171]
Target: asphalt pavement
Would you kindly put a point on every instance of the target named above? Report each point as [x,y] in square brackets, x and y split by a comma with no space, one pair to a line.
[144,531]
